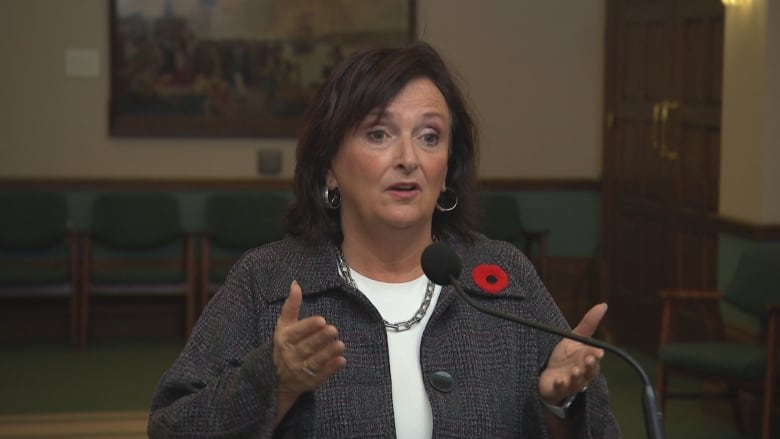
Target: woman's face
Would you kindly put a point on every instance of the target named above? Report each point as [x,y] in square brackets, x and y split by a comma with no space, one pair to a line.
[391,169]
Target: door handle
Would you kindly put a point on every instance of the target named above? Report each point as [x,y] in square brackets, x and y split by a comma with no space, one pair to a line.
[665,152]
[656,119]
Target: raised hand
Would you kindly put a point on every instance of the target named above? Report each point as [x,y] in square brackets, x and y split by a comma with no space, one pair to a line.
[306,352]
[572,365]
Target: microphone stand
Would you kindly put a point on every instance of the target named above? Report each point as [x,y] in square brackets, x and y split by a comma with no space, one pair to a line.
[652,413]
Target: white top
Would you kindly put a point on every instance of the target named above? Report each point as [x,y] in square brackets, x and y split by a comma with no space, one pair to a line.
[398,302]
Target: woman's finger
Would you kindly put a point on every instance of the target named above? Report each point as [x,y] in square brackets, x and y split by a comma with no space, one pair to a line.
[590,321]
[320,359]
[291,307]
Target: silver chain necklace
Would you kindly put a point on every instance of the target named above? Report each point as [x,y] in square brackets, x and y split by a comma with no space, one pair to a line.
[397,326]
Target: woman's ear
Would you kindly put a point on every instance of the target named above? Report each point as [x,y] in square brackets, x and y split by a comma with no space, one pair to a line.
[330,180]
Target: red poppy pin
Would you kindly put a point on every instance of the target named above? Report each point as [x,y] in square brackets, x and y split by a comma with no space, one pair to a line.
[490,278]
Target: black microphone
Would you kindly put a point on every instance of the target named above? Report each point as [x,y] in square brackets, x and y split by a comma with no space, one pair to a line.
[442,265]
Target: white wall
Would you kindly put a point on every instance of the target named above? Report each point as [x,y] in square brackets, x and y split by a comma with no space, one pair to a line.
[750,141]
[771,182]
[534,71]
[532,68]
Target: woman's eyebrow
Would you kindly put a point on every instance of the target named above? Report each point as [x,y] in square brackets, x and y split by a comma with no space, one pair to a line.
[376,116]
[435,115]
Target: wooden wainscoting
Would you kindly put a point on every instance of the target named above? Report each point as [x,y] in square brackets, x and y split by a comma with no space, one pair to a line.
[573,282]
[42,319]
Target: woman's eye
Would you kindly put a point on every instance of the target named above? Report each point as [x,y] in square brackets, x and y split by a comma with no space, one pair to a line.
[430,139]
[376,135]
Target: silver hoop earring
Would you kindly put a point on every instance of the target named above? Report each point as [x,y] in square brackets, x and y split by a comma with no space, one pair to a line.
[450,199]
[332,198]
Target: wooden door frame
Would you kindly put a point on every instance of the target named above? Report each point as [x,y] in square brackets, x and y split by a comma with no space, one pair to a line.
[607,165]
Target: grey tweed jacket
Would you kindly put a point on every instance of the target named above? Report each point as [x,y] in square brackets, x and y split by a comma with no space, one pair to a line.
[480,372]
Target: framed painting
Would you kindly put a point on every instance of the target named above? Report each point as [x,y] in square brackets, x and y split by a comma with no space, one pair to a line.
[224,68]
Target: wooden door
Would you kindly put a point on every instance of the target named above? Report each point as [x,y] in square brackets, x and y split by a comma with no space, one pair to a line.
[661,157]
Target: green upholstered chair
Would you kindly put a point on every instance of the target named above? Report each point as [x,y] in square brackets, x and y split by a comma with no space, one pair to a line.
[137,246]
[754,290]
[38,251]
[501,220]
[234,223]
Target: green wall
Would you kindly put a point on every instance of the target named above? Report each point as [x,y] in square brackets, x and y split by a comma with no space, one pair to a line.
[571,216]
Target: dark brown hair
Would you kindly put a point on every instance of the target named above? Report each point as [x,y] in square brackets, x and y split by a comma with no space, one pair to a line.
[363,82]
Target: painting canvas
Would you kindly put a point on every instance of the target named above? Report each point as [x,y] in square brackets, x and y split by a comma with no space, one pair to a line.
[235,67]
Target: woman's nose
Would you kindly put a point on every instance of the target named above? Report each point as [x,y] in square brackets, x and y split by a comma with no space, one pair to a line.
[407,155]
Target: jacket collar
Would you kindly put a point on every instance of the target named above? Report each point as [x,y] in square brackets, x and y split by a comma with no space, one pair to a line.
[315,268]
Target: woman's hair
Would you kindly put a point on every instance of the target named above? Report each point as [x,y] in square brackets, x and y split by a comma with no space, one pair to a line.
[364,82]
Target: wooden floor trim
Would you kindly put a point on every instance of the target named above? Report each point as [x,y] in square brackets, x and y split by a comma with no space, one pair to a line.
[86,425]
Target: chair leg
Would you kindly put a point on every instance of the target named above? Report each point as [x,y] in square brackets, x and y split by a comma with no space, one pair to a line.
[75,288]
[205,263]
[84,291]
[770,374]
[739,420]
[84,320]
[189,318]
[74,320]
[191,299]
[766,413]
[660,384]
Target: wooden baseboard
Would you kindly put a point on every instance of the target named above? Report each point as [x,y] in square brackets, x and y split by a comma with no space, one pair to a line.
[91,425]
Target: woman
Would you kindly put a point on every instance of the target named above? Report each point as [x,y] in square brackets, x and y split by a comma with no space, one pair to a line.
[335,331]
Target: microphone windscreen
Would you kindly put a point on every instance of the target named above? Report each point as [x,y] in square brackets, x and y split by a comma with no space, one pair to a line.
[439,262]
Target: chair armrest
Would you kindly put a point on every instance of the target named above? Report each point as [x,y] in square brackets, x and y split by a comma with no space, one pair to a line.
[537,234]
[690,295]
[673,299]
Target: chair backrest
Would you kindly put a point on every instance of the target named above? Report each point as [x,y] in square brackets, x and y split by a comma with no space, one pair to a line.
[756,280]
[35,249]
[32,220]
[501,218]
[136,220]
[243,220]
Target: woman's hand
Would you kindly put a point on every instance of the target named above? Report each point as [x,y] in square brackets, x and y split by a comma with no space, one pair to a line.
[572,365]
[306,352]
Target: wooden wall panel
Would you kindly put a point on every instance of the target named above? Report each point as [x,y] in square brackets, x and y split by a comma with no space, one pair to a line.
[573,283]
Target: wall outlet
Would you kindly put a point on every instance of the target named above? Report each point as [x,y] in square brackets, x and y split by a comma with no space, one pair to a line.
[82,63]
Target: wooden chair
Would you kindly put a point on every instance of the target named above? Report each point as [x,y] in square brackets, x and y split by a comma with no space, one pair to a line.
[234,223]
[754,290]
[38,250]
[137,246]
[501,220]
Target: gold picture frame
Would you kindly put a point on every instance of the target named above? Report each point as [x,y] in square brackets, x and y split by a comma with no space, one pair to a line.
[235,67]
